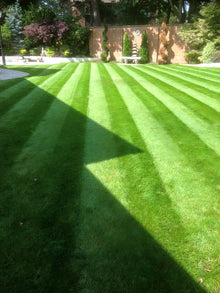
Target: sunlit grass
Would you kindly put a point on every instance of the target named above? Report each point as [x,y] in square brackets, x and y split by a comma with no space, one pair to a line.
[110,179]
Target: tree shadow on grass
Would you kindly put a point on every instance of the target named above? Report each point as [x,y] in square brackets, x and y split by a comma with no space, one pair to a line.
[40,70]
[41,214]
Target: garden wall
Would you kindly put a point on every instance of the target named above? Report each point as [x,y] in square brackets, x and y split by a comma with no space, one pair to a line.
[115,35]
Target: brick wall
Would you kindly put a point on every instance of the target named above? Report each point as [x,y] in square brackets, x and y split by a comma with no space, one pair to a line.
[115,35]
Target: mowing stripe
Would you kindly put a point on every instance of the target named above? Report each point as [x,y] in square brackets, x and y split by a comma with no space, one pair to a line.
[124,125]
[12,90]
[22,107]
[186,88]
[181,182]
[203,70]
[94,200]
[194,74]
[139,171]
[189,143]
[200,83]
[207,113]
[209,134]
[41,144]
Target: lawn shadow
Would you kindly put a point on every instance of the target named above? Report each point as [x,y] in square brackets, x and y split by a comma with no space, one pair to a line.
[41,212]
[40,70]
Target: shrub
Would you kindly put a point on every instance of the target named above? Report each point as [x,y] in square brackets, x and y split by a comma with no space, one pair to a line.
[126,46]
[77,38]
[216,57]
[35,51]
[144,52]
[23,52]
[193,57]
[11,51]
[217,44]
[65,51]
[104,54]
[208,52]
[46,32]
[50,51]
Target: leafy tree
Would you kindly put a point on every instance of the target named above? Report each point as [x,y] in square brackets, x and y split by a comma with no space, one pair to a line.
[14,18]
[46,32]
[126,46]
[6,35]
[208,52]
[144,51]
[206,28]
[23,3]
[77,38]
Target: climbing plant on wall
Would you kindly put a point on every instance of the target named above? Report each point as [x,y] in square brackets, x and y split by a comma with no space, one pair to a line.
[104,54]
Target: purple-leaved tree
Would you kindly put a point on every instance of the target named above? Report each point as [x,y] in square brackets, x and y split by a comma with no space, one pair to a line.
[46,32]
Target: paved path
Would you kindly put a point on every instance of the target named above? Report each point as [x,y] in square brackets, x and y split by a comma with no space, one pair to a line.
[9,74]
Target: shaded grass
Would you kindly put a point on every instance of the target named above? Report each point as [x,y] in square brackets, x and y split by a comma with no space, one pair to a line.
[107,185]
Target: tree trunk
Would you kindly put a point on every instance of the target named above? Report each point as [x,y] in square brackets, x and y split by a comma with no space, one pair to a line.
[95,12]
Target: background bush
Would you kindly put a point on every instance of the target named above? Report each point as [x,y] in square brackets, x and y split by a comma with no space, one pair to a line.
[208,52]
[50,51]
[126,46]
[23,52]
[35,51]
[77,38]
[144,51]
[193,57]
[64,51]
[216,57]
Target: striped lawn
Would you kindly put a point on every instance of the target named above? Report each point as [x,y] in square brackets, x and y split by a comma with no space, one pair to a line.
[110,179]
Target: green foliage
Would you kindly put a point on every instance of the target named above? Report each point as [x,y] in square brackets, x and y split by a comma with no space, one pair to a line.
[194,34]
[64,50]
[217,43]
[35,51]
[14,18]
[77,38]
[211,14]
[104,54]
[216,57]
[23,52]
[208,52]
[49,10]
[144,51]
[206,28]
[126,46]
[193,57]
[50,51]
[6,35]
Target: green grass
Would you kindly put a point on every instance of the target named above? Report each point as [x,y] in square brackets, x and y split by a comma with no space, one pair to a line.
[110,179]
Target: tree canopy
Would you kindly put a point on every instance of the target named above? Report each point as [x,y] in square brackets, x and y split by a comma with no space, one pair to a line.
[123,11]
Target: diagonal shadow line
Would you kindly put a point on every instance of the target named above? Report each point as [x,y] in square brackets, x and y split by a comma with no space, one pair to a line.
[50,210]
[147,266]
